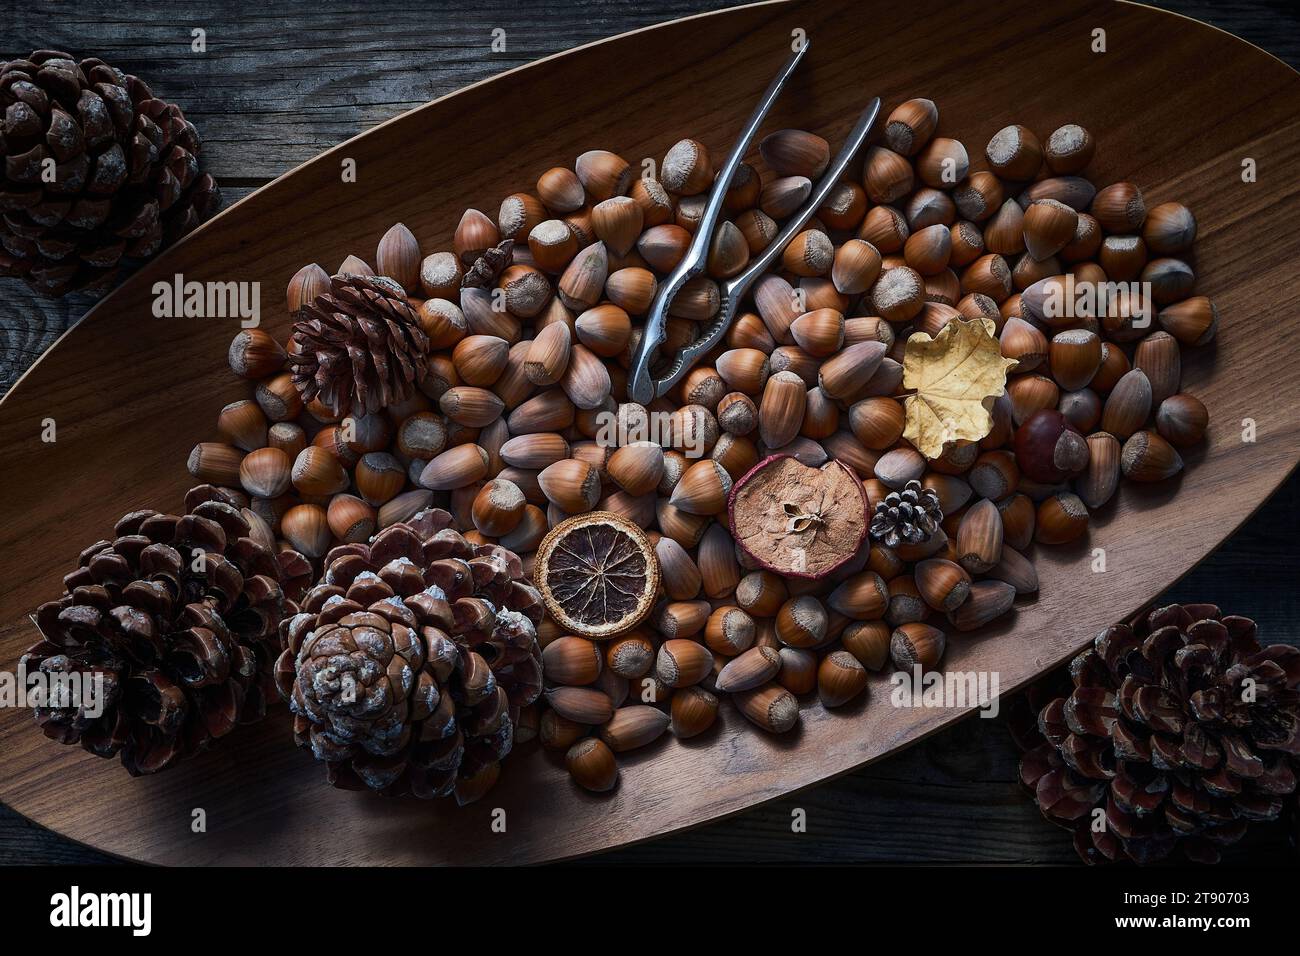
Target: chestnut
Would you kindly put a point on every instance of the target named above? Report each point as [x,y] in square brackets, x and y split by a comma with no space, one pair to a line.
[1049,448]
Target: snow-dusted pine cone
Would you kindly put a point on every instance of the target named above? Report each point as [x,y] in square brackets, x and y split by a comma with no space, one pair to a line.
[411,659]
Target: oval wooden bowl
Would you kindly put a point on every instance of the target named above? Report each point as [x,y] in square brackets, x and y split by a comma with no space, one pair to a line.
[1176,106]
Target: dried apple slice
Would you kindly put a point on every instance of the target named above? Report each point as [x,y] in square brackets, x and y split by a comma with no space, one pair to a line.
[796,520]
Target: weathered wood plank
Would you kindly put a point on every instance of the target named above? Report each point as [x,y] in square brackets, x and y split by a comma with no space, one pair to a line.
[275,88]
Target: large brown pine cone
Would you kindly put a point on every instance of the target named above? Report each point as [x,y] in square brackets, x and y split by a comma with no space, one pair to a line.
[411,659]
[126,173]
[358,346]
[1181,731]
[180,616]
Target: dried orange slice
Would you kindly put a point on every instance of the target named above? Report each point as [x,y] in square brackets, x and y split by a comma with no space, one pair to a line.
[597,573]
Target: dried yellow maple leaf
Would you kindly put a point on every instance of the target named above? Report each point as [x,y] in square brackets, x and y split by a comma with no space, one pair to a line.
[957,376]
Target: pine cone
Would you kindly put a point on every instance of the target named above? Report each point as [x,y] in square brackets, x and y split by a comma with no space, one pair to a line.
[1182,731]
[487,267]
[127,178]
[411,659]
[358,345]
[186,648]
[910,515]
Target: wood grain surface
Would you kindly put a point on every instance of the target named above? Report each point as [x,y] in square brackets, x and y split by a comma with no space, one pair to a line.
[128,407]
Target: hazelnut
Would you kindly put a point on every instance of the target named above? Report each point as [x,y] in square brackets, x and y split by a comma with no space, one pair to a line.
[592,765]
[1049,448]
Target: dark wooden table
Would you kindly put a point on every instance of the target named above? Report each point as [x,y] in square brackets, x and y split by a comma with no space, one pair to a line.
[281,81]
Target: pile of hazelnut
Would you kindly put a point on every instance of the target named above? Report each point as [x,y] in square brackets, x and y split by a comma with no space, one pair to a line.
[528,365]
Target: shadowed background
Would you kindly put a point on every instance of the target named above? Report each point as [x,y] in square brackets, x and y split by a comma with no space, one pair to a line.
[282,81]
